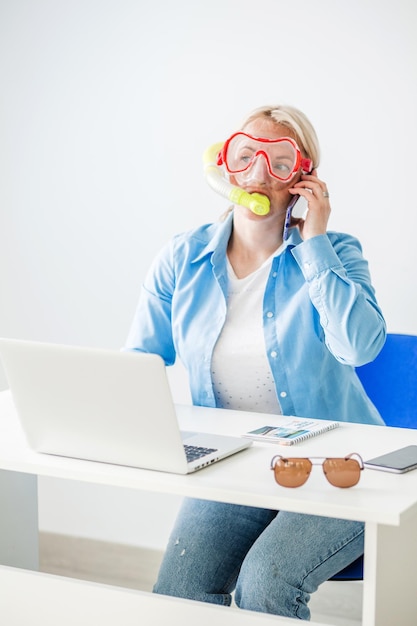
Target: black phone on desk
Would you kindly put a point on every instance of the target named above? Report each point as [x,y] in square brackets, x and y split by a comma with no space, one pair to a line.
[398,461]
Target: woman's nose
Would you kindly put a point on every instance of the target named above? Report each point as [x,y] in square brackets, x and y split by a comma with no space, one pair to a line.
[258,171]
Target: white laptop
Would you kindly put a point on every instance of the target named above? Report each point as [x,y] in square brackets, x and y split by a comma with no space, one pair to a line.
[104,405]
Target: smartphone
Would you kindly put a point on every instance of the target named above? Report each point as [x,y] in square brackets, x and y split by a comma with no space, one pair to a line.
[299,208]
[397,461]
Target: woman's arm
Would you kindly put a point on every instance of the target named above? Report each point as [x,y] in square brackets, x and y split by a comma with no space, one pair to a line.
[340,289]
[151,329]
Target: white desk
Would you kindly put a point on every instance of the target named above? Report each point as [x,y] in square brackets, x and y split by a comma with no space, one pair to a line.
[387,503]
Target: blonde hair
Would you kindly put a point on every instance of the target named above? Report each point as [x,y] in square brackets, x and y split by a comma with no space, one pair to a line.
[296,121]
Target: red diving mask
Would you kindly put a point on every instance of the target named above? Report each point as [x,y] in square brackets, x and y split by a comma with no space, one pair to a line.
[241,152]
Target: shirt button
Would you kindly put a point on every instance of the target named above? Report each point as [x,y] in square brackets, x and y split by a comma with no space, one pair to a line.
[270,314]
[283,394]
[273,354]
[274,274]
[307,264]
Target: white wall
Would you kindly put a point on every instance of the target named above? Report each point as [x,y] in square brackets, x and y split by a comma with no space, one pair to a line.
[106,108]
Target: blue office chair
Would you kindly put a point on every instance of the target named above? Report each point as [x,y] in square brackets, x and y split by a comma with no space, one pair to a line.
[391,383]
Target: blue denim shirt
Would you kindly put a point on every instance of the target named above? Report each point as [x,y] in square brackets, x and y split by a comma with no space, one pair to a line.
[320,318]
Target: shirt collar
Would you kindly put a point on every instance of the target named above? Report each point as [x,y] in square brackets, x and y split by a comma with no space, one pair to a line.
[294,237]
[218,242]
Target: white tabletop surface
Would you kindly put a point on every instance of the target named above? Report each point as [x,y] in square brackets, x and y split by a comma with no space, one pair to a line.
[246,477]
[65,601]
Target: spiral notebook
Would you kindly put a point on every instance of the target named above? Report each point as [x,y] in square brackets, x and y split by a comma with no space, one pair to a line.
[291,430]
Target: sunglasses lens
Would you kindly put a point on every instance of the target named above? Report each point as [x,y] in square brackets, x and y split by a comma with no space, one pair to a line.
[342,472]
[292,472]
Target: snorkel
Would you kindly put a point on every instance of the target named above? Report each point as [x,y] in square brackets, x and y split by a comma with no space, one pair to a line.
[255,202]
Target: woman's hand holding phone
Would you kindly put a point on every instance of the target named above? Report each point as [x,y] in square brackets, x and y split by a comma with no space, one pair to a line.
[314,192]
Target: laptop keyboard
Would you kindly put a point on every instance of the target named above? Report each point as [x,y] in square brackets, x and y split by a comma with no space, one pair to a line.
[196,452]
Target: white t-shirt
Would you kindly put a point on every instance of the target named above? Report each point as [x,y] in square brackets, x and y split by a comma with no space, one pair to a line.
[240,371]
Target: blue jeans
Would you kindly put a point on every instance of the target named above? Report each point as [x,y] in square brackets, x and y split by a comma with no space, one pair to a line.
[273,560]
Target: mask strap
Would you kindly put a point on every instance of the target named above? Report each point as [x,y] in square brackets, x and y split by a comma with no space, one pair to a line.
[306,166]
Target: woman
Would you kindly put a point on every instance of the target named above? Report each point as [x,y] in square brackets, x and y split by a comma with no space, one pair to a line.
[270,320]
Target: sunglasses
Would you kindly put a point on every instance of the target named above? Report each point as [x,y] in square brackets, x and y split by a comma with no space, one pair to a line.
[340,472]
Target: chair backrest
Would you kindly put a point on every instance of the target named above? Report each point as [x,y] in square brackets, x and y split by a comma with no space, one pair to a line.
[391,380]
[391,383]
